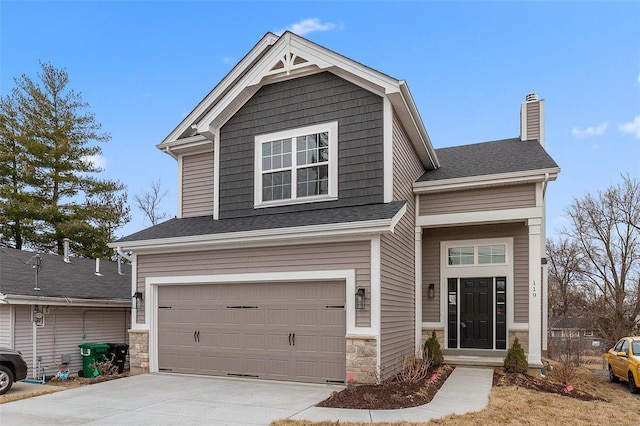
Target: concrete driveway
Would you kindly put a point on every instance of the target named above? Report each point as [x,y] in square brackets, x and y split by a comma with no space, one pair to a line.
[165,399]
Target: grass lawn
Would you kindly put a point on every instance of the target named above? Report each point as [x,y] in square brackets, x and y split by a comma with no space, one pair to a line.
[518,406]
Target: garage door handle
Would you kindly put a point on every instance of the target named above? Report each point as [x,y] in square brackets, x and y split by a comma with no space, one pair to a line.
[294,339]
[289,339]
[198,336]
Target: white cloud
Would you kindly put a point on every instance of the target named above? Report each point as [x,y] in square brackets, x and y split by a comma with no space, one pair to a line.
[590,131]
[632,127]
[638,78]
[228,59]
[310,25]
[97,161]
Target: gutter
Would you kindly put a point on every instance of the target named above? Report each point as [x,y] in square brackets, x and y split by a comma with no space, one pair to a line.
[17,299]
[268,235]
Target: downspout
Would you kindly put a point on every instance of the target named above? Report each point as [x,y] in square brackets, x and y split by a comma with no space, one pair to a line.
[544,183]
[123,254]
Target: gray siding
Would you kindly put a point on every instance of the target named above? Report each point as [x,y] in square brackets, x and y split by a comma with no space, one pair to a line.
[5,329]
[431,240]
[197,185]
[476,200]
[317,257]
[304,101]
[64,329]
[397,273]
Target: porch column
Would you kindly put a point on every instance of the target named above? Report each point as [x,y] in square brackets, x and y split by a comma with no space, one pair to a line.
[535,291]
[418,291]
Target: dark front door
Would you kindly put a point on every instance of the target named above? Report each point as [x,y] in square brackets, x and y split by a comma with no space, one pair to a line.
[476,314]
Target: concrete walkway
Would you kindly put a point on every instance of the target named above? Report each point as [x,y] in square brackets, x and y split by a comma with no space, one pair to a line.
[172,399]
[466,390]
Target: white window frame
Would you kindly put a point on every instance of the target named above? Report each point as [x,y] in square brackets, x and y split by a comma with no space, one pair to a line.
[332,129]
[476,246]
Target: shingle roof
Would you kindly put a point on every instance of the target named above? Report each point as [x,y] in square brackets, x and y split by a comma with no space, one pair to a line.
[489,158]
[205,225]
[57,278]
[571,322]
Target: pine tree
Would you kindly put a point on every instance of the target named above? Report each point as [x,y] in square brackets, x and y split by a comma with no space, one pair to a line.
[49,138]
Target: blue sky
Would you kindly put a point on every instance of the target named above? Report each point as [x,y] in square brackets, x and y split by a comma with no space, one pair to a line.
[144,65]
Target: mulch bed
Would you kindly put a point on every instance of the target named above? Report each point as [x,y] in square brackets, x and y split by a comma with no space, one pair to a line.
[501,378]
[390,394]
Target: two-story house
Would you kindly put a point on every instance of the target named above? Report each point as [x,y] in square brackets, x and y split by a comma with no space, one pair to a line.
[320,237]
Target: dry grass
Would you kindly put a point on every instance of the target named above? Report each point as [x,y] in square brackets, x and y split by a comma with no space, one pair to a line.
[517,406]
[10,397]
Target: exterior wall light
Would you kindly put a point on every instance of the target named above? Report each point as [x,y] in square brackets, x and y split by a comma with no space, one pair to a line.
[431,291]
[360,299]
[136,300]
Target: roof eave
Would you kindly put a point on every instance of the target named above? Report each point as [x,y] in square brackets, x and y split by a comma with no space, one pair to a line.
[422,143]
[527,176]
[214,96]
[19,299]
[300,233]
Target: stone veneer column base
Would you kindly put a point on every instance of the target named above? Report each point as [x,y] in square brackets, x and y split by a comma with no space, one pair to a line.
[362,360]
[138,351]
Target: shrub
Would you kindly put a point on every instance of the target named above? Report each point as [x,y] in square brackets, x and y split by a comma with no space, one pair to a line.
[433,351]
[413,369]
[105,367]
[516,360]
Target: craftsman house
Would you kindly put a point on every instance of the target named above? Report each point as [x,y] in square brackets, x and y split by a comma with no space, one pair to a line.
[320,237]
[50,304]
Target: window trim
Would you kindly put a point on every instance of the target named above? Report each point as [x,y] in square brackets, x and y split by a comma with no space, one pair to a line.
[475,245]
[332,129]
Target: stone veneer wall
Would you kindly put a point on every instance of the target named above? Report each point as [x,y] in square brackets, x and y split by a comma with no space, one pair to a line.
[523,337]
[138,351]
[362,360]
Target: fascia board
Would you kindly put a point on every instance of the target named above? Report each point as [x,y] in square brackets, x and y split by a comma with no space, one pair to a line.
[191,144]
[418,125]
[268,40]
[16,299]
[486,180]
[316,55]
[301,233]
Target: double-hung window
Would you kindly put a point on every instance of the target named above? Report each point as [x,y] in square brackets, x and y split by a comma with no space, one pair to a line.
[297,166]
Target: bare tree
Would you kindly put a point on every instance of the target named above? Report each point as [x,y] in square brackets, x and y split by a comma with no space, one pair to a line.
[566,264]
[605,228]
[149,202]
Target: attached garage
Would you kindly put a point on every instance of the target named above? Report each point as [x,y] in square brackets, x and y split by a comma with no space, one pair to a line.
[293,331]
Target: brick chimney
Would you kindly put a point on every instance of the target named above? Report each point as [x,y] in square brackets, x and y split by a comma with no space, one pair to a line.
[532,119]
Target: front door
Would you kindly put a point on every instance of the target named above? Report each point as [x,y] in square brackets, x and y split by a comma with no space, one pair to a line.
[476,313]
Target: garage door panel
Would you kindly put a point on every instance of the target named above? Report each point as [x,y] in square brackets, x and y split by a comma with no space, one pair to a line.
[247,329]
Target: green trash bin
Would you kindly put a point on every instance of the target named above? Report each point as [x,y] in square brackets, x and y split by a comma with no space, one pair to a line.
[92,352]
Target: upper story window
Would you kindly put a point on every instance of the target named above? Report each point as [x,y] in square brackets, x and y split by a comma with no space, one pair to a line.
[297,166]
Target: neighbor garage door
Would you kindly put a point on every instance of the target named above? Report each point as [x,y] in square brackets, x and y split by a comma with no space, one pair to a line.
[277,331]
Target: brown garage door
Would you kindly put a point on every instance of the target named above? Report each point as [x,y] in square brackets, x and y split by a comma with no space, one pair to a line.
[278,331]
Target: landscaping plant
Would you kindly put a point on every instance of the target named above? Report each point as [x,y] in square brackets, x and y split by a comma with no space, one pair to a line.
[516,360]
[433,351]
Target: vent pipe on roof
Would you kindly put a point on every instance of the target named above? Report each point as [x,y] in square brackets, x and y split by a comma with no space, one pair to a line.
[65,243]
[98,268]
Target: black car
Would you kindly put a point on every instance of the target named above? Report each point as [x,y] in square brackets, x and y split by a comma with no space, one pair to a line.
[12,368]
